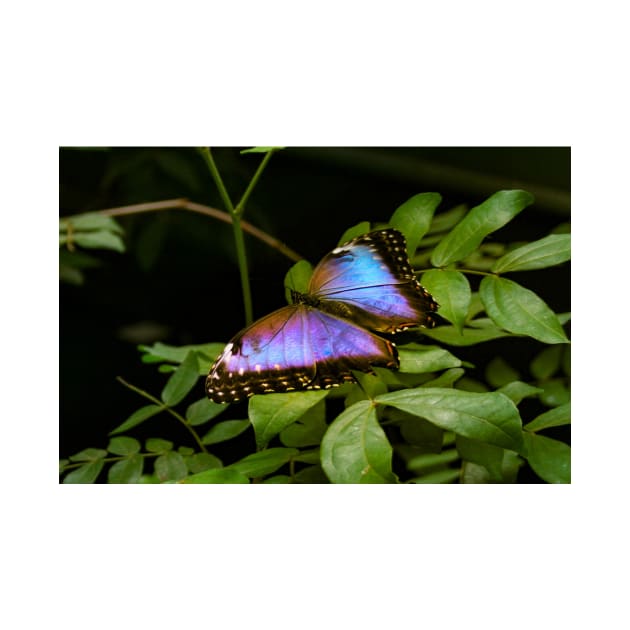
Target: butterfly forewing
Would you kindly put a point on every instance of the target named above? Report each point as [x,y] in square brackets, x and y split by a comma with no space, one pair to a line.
[370,281]
[295,348]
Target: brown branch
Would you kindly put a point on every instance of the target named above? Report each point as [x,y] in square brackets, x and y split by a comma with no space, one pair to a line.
[191,206]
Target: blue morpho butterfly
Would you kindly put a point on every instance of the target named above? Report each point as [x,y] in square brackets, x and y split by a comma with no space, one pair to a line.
[363,286]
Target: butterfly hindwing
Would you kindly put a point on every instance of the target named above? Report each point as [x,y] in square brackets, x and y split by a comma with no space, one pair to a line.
[295,348]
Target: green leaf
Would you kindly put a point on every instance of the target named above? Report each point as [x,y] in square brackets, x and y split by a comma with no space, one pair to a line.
[90,221]
[446,379]
[71,275]
[202,461]
[553,418]
[547,362]
[181,381]
[137,417]
[127,470]
[261,150]
[203,410]
[158,445]
[419,432]
[468,384]
[413,218]
[217,475]
[468,336]
[87,473]
[489,417]
[546,252]
[352,232]
[520,310]
[486,455]
[418,359]
[498,372]
[264,462]
[124,445]
[273,412]
[310,474]
[307,430]
[566,360]
[224,431]
[517,390]
[298,278]
[550,459]
[99,240]
[355,448]
[451,291]
[441,476]
[308,457]
[170,467]
[482,220]
[371,384]
[89,455]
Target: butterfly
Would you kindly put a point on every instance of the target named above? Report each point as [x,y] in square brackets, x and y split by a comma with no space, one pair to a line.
[362,287]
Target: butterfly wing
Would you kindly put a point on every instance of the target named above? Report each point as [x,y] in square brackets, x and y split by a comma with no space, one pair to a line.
[295,348]
[370,281]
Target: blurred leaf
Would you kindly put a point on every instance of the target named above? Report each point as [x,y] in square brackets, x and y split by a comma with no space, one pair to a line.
[442,476]
[181,381]
[520,310]
[150,241]
[278,479]
[468,384]
[202,411]
[415,359]
[418,431]
[553,418]
[179,167]
[264,462]
[308,457]
[90,221]
[99,240]
[310,474]
[170,467]
[158,445]
[298,278]
[137,417]
[224,431]
[475,307]
[71,275]
[217,475]
[261,150]
[498,372]
[87,473]
[123,445]
[160,352]
[413,218]
[517,390]
[486,455]
[371,384]
[555,393]
[271,413]
[566,360]
[352,232]
[355,448]
[430,461]
[127,470]
[88,455]
[546,252]
[444,221]
[451,291]
[489,417]
[480,221]
[547,362]
[550,459]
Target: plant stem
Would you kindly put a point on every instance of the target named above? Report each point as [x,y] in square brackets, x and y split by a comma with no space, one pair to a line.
[164,407]
[239,241]
[240,207]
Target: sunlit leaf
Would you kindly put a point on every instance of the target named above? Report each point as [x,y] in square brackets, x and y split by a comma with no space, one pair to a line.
[546,252]
[413,218]
[224,431]
[137,417]
[181,381]
[553,418]
[451,291]
[127,470]
[550,459]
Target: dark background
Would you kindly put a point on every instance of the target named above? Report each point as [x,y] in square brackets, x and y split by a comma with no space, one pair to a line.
[178,281]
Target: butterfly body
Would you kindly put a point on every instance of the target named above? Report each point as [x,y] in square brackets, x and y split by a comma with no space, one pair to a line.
[363,287]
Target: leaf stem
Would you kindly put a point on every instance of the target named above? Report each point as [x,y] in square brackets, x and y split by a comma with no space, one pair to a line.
[240,207]
[164,407]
